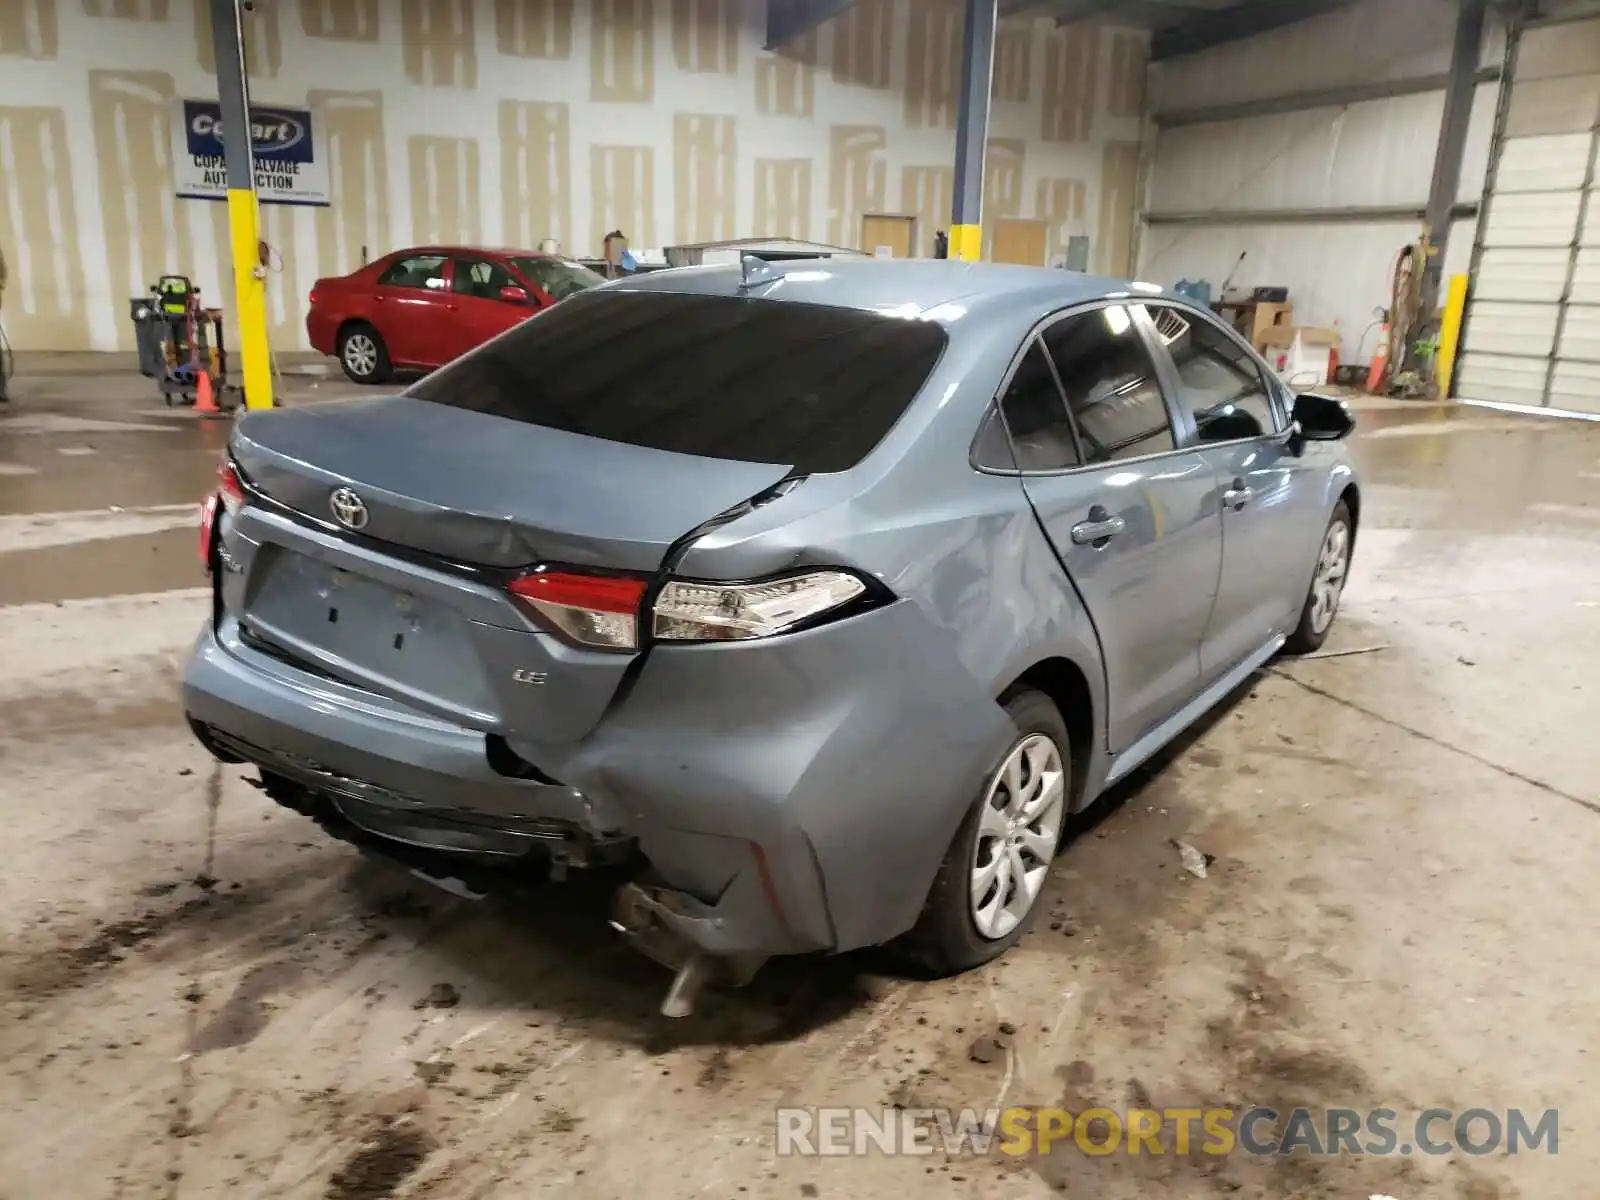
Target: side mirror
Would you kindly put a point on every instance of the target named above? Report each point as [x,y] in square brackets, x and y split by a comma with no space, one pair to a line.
[512,294]
[1322,418]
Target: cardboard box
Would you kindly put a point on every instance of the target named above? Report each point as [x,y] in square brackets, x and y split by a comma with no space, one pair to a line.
[1299,353]
[1267,317]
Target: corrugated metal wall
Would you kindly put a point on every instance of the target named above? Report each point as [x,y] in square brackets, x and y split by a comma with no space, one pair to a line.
[1353,155]
[1533,325]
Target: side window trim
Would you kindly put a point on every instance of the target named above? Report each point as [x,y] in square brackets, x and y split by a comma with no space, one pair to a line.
[1270,386]
[1082,308]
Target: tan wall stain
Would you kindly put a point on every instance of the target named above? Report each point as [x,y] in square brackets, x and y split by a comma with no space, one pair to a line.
[533,28]
[622,187]
[622,55]
[1060,204]
[705,156]
[786,83]
[536,172]
[131,10]
[857,179]
[263,40]
[1002,176]
[445,204]
[1013,62]
[46,305]
[705,36]
[1071,77]
[929,192]
[29,29]
[132,117]
[783,198]
[340,20]
[862,44]
[1119,177]
[933,66]
[439,42]
[358,177]
[1129,54]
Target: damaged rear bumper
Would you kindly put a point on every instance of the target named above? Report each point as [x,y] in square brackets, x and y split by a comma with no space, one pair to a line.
[791,795]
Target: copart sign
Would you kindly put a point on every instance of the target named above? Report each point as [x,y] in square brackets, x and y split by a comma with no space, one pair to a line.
[290,166]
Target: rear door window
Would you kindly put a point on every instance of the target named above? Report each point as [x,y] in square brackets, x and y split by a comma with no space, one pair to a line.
[481,278]
[1112,391]
[1221,383]
[420,271]
[1036,414]
[799,385]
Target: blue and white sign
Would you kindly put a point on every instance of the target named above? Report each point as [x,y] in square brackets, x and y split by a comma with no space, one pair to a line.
[290,165]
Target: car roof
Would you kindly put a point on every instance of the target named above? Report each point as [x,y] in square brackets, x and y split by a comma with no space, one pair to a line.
[497,251]
[938,289]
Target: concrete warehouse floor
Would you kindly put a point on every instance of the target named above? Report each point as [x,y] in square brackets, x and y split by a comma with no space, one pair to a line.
[202,995]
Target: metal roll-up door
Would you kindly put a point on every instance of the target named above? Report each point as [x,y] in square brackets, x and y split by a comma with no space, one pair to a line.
[1532,332]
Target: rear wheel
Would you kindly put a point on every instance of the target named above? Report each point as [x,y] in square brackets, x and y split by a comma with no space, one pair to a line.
[1327,584]
[987,891]
[363,355]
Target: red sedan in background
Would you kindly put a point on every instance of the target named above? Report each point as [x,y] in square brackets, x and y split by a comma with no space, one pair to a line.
[422,307]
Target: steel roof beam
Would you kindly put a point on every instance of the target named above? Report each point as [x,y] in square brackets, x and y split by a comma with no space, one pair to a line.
[791,19]
[1226,25]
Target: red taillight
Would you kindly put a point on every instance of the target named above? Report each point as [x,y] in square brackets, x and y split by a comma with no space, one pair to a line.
[229,486]
[208,522]
[596,610]
[312,298]
[230,494]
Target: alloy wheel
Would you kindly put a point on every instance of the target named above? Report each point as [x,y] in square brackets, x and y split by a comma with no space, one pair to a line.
[1018,830]
[360,354]
[1332,566]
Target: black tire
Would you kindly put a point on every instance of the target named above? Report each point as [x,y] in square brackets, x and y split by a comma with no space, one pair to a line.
[358,335]
[945,940]
[1306,637]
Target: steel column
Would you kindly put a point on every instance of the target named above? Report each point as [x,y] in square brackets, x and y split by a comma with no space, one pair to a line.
[249,278]
[1452,146]
[972,129]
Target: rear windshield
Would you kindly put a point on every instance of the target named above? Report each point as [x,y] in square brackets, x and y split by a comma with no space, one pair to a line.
[763,381]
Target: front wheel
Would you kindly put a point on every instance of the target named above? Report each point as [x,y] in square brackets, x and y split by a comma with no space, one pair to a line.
[987,890]
[363,355]
[1327,585]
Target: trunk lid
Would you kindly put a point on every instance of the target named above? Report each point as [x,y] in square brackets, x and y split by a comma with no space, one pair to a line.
[481,489]
[462,488]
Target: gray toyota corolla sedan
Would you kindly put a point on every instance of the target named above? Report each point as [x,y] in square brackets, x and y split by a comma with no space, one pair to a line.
[811,597]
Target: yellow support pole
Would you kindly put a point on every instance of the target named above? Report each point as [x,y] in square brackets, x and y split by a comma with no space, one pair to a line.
[250,292]
[966,242]
[1455,308]
[244,226]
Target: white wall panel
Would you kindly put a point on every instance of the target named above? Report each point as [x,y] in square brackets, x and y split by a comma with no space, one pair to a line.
[1370,41]
[1532,219]
[1576,387]
[1580,339]
[1501,328]
[1544,164]
[1539,245]
[1506,380]
[1519,274]
[1361,154]
[1373,153]
[1337,273]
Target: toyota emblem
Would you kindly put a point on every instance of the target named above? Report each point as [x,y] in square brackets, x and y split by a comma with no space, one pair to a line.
[348,508]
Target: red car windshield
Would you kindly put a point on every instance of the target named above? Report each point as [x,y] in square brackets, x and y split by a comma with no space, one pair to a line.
[557,277]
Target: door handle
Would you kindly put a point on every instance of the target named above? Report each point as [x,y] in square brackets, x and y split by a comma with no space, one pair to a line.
[1238,495]
[1099,529]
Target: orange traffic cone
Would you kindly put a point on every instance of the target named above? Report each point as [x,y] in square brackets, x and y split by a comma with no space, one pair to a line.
[205,400]
[1380,360]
